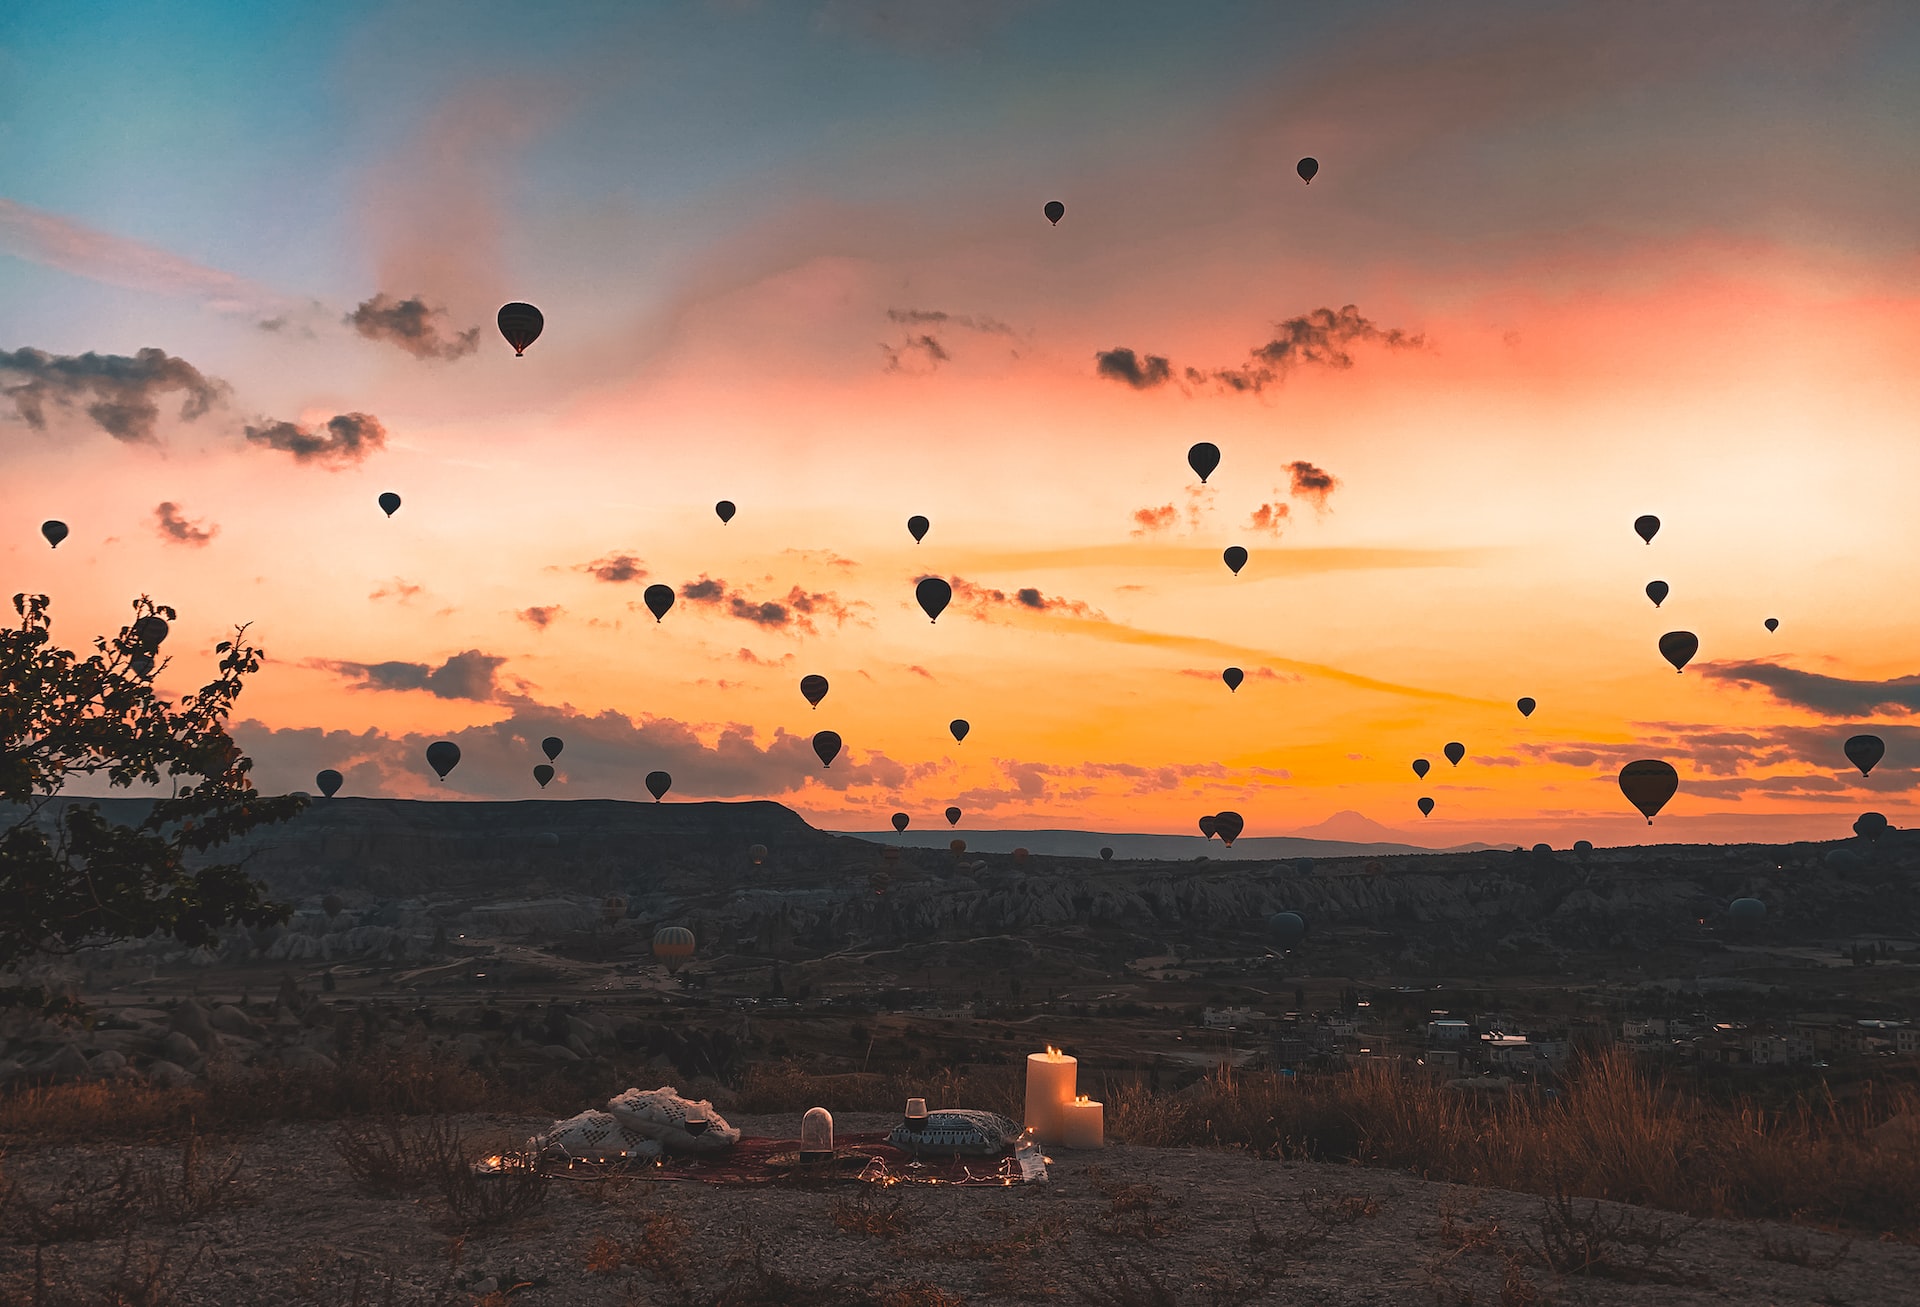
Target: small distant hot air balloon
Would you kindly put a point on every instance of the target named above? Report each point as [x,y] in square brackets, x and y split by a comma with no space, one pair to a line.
[1526,706]
[1229,825]
[443,756]
[900,820]
[1304,866]
[659,600]
[329,782]
[1020,856]
[724,510]
[1455,751]
[1236,558]
[389,503]
[813,689]
[917,527]
[54,531]
[934,595]
[1203,458]
[1658,591]
[1210,825]
[332,905]
[1307,167]
[1863,751]
[959,727]
[1870,825]
[1772,624]
[1425,805]
[551,746]
[612,909]
[957,846]
[1055,211]
[521,324]
[1106,854]
[1648,784]
[673,945]
[1646,527]
[543,772]
[1287,928]
[953,816]
[658,783]
[1421,767]
[1747,912]
[826,746]
[1679,647]
[758,852]
[1233,676]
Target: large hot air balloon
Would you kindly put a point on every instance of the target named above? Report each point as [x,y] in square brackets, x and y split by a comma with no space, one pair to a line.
[1229,825]
[1203,458]
[1233,676]
[813,688]
[1863,751]
[724,510]
[389,503]
[900,820]
[1658,591]
[1646,527]
[673,945]
[658,783]
[959,726]
[1870,825]
[758,852]
[543,772]
[1287,929]
[953,816]
[1421,767]
[1210,825]
[1747,912]
[1307,167]
[1526,706]
[521,324]
[1106,854]
[551,746]
[54,531]
[1425,805]
[659,600]
[1236,558]
[917,527]
[329,782]
[1679,647]
[1648,784]
[826,746]
[1455,751]
[443,756]
[934,595]
[1055,211]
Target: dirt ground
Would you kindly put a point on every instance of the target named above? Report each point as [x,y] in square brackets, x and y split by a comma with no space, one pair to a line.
[1155,1227]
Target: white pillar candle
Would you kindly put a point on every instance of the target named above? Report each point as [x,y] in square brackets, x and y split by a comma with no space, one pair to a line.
[1050,1087]
[1083,1124]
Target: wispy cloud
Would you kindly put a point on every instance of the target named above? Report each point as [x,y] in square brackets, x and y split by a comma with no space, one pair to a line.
[339,442]
[540,617]
[410,324]
[614,568]
[796,612]
[1123,365]
[121,394]
[471,675]
[1830,696]
[174,527]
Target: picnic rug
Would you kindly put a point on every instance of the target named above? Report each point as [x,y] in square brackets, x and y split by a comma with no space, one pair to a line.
[858,1159]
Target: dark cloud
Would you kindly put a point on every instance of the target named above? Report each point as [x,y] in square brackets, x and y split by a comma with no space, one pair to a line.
[540,617]
[1270,517]
[347,438]
[174,527]
[936,317]
[271,324]
[1148,520]
[1124,365]
[796,612]
[615,568]
[398,588]
[469,675]
[120,394]
[1322,337]
[922,353]
[410,324]
[981,600]
[1830,696]
[1312,483]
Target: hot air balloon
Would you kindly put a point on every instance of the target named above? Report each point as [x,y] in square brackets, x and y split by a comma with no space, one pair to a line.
[54,531]
[659,600]
[1679,647]
[959,726]
[1421,767]
[1304,866]
[1233,676]
[551,746]
[1287,929]
[953,816]
[389,503]
[150,632]
[1526,706]
[612,909]
[1648,784]
[724,510]
[1772,624]
[1203,458]
[329,782]
[521,325]
[957,846]
[917,527]
[758,852]
[658,783]
[1055,211]
[1455,751]
[1658,591]
[443,756]
[1236,558]
[332,905]
[1870,825]
[900,820]
[1020,856]
[1583,849]
[673,945]
[813,689]
[1863,751]
[826,746]
[1210,825]
[1106,855]
[1425,805]
[934,595]
[543,772]
[1747,912]
[1307,167]
[1229,825]
[1646,527]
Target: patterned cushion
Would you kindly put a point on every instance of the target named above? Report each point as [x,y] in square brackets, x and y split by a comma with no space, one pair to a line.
[958,1131]
[662,1114]
[592,1137]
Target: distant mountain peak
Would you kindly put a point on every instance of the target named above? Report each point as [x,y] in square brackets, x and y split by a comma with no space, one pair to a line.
[1357,828]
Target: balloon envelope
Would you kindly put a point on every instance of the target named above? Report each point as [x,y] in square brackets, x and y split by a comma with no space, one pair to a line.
[1648,783]
[1421,767]
[1236,558]
[521,324]
[1210,825]
[1772,624]
[934,595]
[54,531]
[1055,211]
[959,726]
[1229,825]
[1455,751]
[658,783]
[1106,855]
[543,772]
[389,503]
[758,852]
[917,527]
[826,746]
[1020,855]
[1747,911]
[900,820]
[1287,928]
[1203,458]
[1233,676]
[332,905]
[724,510]
[1646,527]
[953,816]
[1863,751]
[1658,591]
[551,746]
[659,600]
[1870,825]
[443,756]
[1307,167]
[1583,849]
[958,846]
[1425,805]
[329,782]
[1679,647]
[813,689]
[1526,707]
[673,945]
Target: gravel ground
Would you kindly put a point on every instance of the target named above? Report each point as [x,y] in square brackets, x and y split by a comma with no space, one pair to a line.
[1155,1227]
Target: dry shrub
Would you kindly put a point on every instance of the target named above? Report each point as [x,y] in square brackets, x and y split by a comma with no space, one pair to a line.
[661,1250]
[873,1211]
[1617,1245]
[1136,1211]
[86,1110]
[99,1196]
[395,1156]
[144,1275]
[481,1199]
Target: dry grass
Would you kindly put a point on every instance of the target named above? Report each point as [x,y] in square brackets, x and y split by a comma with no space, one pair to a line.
[144,1275]
[875,1212]
[99,1196]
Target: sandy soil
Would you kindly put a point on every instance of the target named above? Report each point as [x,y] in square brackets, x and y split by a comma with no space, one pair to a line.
[1123,1226]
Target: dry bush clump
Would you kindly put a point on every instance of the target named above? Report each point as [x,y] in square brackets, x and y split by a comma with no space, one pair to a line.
[394,1156]
[144,1275]
[101,1196]
[1136,1211]
[481,1199]
[873,1211]
[1618,1245]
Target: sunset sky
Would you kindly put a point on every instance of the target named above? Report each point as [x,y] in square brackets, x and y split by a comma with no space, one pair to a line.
[1601,260]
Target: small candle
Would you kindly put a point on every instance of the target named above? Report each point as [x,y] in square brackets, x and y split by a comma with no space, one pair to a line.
[1050,1086]
[1083,1124]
